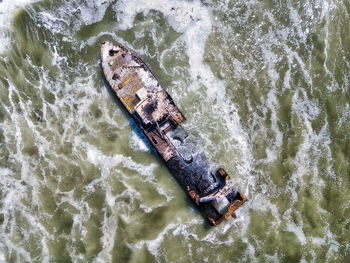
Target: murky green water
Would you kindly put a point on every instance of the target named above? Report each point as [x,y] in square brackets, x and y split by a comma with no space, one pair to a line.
[264,86]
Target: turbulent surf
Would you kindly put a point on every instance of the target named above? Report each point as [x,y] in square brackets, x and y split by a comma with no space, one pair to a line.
[264,86]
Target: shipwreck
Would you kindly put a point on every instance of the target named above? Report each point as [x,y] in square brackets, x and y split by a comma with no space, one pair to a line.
[157,115]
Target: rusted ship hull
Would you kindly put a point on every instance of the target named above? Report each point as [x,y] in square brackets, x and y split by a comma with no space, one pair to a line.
[160,120]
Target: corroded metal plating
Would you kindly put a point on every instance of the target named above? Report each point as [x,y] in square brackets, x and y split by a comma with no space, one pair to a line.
[160,119]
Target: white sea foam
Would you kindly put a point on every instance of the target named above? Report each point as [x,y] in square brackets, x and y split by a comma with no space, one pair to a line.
[154,245]
[55,24]
[93,11]
[2,256]
[298,231]
[109,230]
[307,111]
[7,9]
[138,143]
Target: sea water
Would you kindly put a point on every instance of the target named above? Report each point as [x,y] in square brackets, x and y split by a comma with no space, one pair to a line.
[264,86]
